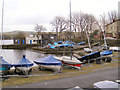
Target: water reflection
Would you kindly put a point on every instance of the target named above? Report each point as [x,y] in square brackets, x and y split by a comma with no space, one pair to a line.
[14,56]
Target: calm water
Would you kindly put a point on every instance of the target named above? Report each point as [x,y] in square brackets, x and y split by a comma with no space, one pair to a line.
[14,56]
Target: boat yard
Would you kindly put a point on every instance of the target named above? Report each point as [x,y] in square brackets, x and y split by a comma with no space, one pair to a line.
[39,76]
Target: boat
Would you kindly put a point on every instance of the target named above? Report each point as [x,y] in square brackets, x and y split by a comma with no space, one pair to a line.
[5,66]
[81,43]
[106,52]
[114,48]
[49,63]
[24,66]
[66,60]
[90,56]
[87,50]
[106,85]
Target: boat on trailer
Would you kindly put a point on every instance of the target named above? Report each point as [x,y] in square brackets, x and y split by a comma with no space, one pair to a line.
[24,66]
[49,63]
[66,60]
[90,56]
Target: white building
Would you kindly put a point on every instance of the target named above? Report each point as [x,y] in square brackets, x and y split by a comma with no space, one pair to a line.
[32,39]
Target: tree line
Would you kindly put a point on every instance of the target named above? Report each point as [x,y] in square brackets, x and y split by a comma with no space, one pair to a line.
[81,24]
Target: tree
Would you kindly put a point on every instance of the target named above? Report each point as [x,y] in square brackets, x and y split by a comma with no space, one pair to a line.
[59,24]
[112,16]
[39,29]
[82,22]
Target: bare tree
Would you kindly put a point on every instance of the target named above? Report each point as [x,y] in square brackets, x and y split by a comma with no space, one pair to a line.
[59,24]
[112,16]
[39,29]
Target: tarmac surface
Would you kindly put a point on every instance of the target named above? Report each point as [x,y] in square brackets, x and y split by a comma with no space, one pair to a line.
[83,81]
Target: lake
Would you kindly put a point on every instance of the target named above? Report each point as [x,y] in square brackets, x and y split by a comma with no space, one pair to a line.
[14,56]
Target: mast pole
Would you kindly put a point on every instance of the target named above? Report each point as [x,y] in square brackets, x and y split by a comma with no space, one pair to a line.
[70,28]
[2,25]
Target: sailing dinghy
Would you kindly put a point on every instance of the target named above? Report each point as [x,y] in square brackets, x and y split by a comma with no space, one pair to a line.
[66,60]
[49,63]
[24,66]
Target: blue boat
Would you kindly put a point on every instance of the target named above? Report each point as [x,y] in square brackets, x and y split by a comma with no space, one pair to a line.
[106,52]
[24,65]
[81,43]
[52,47]
[49,62]
[4,65]
[90,56]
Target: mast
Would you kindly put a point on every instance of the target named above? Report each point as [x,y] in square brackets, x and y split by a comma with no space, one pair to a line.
[104,38]
[2,25]
[88,39]
[70,28]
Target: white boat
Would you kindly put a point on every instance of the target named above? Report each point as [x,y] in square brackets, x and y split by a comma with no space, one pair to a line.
[114,48]
[87,50]
[49,63]
[66,60]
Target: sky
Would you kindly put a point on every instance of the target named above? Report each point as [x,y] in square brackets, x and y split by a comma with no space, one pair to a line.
[25,14]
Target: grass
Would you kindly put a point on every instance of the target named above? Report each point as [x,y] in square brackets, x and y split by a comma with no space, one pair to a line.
[66,73]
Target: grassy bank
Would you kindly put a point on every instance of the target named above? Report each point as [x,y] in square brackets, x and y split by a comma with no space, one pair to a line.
[46,75]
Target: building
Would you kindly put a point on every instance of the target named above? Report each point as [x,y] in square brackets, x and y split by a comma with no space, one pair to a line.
[19,40]
[113,29]
[49,38]
[32,39]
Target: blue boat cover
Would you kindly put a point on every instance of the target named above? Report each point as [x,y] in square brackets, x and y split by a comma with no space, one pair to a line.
[5,64]
[106,52]
[23,63]
[55,43]
[52,47]
[50,60]
[90,56]
[59,42]
[81,43]
[66,45]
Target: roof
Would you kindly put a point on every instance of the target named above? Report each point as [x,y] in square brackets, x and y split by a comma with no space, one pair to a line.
[113,22]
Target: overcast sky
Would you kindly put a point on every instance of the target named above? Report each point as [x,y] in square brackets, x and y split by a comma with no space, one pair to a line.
[24,14]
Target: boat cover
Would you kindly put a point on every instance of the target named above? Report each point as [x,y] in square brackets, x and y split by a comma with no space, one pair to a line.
[59,42]
[90,56]
[23,63]
[81,43]
[52,47]
[106,52]
[50,60]
[5,64]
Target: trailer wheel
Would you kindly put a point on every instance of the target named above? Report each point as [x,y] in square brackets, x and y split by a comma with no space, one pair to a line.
[103,59]
[98,61]
[108,59]
[29,71]
[16,72]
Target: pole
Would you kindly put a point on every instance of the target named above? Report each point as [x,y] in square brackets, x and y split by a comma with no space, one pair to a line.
[70,28]
[105,39]
[2,25]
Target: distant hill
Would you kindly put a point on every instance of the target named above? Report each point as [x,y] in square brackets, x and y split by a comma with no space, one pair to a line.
[17,31]
[10,35]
